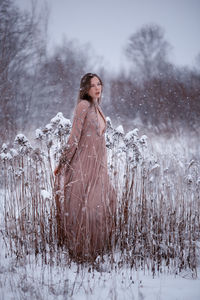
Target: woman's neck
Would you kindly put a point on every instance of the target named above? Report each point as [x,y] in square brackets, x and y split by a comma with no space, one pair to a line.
[95,101]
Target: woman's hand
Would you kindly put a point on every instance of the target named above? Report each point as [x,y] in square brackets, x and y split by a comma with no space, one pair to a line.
[56,171]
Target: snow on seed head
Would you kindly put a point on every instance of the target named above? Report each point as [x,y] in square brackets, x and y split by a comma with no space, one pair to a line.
[4,148]
[22,140]
[120,130]
[59,119]
[55,120]
[39,134]
[109,123]
[65,123]
[131,135]
[61,124]
[48,129]
[5,156]
[143,140]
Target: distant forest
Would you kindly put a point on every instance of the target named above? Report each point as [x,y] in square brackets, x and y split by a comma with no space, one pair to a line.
[35,85]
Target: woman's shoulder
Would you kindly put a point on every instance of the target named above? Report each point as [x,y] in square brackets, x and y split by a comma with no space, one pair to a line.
[82,107]
[83,103]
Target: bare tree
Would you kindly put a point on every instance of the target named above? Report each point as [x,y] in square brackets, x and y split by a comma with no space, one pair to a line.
[20,49]
[35,85]
[148,50]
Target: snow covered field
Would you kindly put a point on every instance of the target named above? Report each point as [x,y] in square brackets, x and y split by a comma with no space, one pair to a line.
[29,279]
[168,240]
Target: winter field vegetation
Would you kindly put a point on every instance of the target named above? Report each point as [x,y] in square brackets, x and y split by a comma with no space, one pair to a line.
[158,219]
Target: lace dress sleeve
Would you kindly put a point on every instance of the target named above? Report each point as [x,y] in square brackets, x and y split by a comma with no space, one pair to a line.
[77,126]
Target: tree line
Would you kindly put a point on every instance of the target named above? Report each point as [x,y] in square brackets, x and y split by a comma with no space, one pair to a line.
[35,85]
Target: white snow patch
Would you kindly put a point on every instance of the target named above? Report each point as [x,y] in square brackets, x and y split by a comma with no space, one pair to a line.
[120,129]
[132,134]
[45,194]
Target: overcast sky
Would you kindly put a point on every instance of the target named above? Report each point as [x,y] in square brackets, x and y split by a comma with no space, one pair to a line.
[107,25]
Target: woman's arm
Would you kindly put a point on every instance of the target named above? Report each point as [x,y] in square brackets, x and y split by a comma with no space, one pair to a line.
[77,126]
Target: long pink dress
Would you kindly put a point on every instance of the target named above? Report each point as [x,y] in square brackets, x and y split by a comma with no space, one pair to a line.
[85,198]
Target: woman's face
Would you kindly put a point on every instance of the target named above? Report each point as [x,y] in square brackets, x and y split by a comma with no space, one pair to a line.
[95,88]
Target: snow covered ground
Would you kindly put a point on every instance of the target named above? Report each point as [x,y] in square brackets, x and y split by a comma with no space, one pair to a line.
[32,280]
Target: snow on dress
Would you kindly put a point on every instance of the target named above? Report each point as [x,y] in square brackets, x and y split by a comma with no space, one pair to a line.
[85,198]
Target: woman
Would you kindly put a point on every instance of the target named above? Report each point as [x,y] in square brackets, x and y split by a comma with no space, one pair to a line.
[85,198]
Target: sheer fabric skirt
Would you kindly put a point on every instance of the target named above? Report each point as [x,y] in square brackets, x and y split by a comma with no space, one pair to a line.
[86,207]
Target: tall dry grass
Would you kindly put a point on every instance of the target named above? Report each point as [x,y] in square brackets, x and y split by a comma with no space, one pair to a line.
[158,223]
